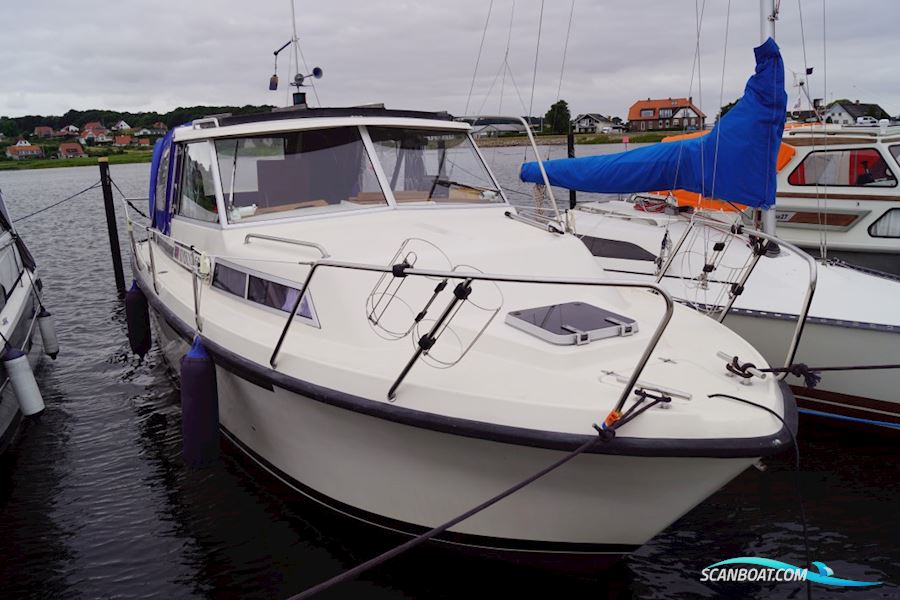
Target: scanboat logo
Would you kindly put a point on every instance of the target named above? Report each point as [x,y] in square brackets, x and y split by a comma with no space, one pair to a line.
[766,569]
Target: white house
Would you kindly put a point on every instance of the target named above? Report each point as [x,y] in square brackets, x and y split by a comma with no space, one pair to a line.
[595,123]
[121,125]
[846,113]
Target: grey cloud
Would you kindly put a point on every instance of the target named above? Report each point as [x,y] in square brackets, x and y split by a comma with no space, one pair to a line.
[143,55]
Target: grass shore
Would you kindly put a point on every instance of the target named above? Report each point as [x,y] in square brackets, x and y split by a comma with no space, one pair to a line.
[137,156]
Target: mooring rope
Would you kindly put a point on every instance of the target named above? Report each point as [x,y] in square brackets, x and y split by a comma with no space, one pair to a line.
[55,204]
[809,374]
[796,474]
[604,435]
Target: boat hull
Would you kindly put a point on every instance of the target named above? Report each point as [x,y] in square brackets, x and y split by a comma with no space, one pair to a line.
[865,397]
[408,479]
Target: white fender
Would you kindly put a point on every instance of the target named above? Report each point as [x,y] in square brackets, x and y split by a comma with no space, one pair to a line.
[21,377]
[48,333]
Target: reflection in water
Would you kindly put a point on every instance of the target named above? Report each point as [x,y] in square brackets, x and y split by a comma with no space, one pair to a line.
[95,500]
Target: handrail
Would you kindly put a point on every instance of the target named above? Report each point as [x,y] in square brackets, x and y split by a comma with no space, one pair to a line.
[473,276]
[272,238]
[726,228]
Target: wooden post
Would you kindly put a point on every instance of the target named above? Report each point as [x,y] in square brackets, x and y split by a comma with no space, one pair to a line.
[570,143]
[111,227]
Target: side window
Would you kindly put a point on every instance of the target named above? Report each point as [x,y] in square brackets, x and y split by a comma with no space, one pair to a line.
[863,167]
[887,225]
[197,193]
[895,151]
[162,177]
[230,280]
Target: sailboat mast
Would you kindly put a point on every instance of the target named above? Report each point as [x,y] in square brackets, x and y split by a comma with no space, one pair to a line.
[767,17]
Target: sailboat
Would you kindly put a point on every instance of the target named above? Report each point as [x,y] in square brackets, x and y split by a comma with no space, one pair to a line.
[854,317]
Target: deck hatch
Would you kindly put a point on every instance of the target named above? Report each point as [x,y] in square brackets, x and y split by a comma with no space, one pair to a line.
[571,323]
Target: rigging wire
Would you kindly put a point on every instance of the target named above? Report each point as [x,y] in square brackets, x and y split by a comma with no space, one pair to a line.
[824,229]
[721,100]
[537,50]
[562,67]
[512,13]
[298,53]
[478,58]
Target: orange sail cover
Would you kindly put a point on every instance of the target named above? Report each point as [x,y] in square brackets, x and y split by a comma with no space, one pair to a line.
[685,198]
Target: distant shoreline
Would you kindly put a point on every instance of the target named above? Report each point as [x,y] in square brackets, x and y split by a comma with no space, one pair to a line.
[580,138]
[88,161]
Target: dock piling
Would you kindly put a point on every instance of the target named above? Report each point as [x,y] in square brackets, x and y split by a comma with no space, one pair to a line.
[570,146]
[112,228]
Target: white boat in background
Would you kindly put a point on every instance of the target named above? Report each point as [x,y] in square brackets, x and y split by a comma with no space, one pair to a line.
[26,329]
[854,318]
[839,190]
[396,341]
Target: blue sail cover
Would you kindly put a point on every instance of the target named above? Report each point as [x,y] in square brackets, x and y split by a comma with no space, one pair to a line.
[160,207]
[741,170]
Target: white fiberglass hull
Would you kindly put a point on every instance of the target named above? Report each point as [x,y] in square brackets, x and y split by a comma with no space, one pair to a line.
[408,479]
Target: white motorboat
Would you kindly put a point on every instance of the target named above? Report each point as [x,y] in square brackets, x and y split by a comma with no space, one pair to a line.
[26,329]
[838,190]
[394,340]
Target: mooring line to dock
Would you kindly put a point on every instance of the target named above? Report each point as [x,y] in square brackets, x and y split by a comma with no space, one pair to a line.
[397,550]
[796,475]
[55,204]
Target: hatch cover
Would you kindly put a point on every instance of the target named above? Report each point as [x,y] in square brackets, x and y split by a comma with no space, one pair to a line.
[571,323]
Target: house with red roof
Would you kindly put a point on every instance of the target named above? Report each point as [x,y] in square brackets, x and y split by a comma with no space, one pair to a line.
[71,150]
[43,131]
[122,140]
[23,149]
[665,113]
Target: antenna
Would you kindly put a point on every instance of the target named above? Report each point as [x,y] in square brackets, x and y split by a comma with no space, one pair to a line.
[299,97]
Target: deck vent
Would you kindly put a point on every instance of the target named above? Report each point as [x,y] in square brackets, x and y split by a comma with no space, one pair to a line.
[571,323]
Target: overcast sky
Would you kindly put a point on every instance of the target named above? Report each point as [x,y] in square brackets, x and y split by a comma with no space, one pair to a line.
[159,54]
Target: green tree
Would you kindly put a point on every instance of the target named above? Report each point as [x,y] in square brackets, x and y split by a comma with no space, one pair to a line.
[558,118]
[724,110]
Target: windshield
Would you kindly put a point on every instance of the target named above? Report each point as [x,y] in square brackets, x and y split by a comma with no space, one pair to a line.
[425,165]
[297,173]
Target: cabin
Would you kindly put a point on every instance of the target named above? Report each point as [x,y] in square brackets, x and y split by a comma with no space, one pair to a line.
[71,150]
[595,123]
[665,113]
[23,150]
[846,113]
[43,131]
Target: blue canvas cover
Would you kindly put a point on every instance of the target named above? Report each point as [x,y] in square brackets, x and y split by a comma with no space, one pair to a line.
[741,170]
[160,207]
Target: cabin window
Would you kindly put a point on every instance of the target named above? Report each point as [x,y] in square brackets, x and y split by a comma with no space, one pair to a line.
[301,172]
[859,167]
[263,291]
[197,192]
[887,225]
[162,178]
[895,152]
[230,280]
[425,165]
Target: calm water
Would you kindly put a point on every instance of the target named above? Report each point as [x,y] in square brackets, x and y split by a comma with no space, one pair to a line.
[95,501]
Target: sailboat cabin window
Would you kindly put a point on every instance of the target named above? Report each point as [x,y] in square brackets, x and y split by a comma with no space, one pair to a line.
[895,151]
[197,192]
[301,172]
[859,167]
